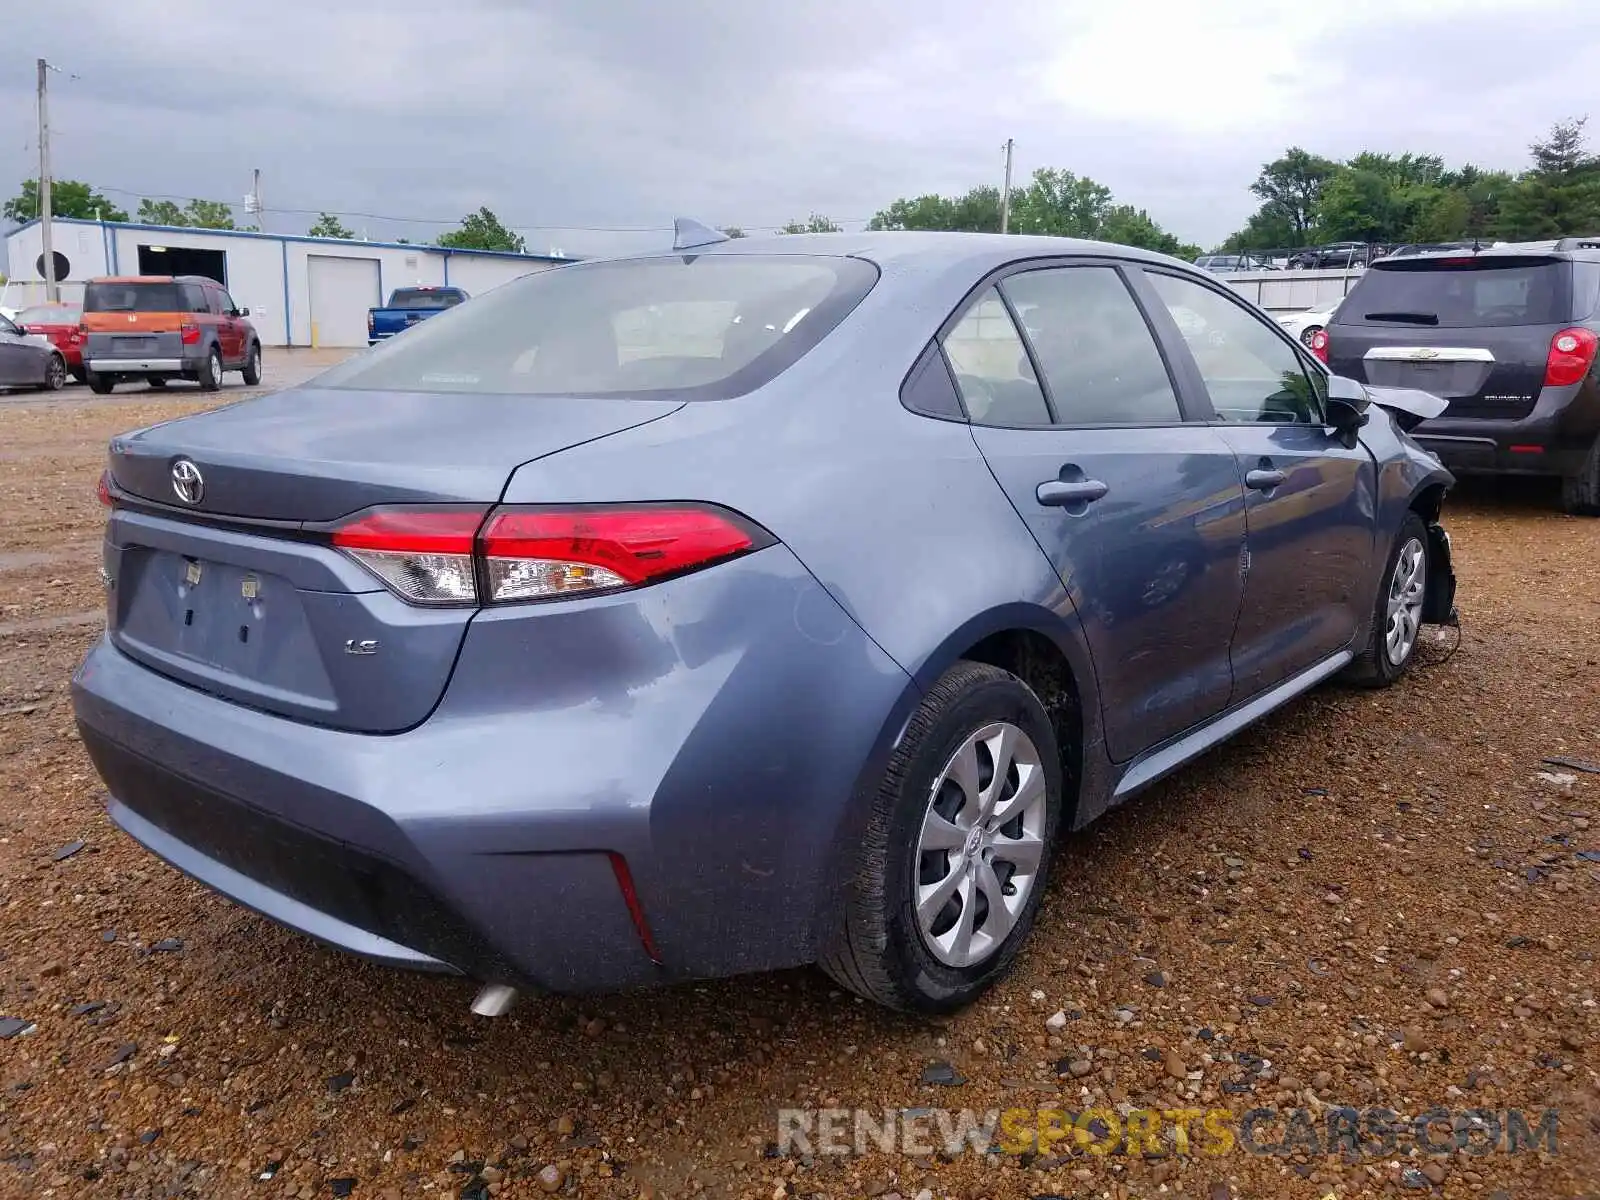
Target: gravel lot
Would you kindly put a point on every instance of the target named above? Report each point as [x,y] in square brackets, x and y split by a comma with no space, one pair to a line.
[1372,900]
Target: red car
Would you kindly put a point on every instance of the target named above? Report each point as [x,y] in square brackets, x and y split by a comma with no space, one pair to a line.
[59,323]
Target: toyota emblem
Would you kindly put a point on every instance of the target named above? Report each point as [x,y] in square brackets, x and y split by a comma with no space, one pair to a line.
[187,481]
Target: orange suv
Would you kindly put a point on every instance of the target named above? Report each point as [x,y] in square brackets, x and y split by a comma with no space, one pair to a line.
[161,327]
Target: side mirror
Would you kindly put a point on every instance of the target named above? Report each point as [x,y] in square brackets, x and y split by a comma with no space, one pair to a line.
[1348,401]
[244,312]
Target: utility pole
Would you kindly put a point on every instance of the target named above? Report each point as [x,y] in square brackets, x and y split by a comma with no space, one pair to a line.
[252,202]
[1005,193]
[51,292]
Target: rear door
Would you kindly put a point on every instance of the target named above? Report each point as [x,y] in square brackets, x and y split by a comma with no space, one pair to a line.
[135,319]
[1310,500]
[1139,509]
[1474,330]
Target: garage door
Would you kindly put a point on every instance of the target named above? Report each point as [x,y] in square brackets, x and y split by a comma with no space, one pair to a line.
[342,289]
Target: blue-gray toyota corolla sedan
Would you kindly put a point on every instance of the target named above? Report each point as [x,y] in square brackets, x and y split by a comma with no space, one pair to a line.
[751,604]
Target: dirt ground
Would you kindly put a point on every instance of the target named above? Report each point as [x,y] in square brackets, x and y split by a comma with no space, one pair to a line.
[1382,901]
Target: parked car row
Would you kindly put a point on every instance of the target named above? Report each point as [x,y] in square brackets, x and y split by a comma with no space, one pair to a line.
[153,328]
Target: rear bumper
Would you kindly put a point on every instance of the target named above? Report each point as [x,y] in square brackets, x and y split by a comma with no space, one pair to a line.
[717,758]
[143,366]
[1553,439]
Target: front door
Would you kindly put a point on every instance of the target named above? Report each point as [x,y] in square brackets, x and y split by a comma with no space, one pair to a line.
[1310,499]
[1140,511]
[229,328]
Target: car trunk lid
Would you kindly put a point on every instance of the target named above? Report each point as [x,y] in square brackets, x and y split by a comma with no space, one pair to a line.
[239,592]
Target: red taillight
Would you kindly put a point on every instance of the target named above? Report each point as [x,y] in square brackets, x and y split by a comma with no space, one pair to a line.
[1319,344]
[190,332]
[102,489]
[1572,353]
[533,554]
[74,337]
[440,556]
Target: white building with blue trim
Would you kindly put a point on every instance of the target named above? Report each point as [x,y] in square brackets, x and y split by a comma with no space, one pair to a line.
[301,291]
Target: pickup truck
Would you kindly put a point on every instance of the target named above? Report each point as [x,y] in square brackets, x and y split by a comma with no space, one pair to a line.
[406,307]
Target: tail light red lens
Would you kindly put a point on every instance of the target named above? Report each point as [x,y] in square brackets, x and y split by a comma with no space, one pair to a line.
[102,489]
[1319,344]
[1572,353]
[190,332]
[455,557]
[534,555]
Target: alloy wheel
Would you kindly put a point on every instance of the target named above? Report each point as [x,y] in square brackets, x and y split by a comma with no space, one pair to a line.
[1406,588]
[981,846]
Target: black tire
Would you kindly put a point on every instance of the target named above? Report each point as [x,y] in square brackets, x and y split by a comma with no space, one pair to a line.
[879,951]
[80,376]
[1309,332]
[1374,667]
[1580,493]
[55,373]
[158,382]
[210,373]
[252,365]
[99,384]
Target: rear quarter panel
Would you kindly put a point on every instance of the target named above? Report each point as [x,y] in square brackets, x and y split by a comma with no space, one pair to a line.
[897,515]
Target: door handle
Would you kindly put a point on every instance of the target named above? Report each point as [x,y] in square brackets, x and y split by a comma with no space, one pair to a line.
[1263,479]
[1058,493]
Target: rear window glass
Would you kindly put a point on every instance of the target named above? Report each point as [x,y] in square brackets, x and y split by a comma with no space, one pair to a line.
[1481,293]
[133,297]
[48,314]
[695,327]
[424,298]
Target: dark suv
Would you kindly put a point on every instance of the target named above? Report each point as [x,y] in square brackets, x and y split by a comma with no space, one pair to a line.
[1506,335]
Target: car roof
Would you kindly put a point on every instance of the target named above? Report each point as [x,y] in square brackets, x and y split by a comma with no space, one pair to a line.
[980,252]
[154,279]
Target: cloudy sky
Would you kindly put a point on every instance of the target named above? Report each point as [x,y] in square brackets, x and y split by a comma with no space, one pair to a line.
[621,114]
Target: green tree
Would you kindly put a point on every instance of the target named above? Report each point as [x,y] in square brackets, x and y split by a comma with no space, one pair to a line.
[978,211]
[1061,204]
[329,226]
[1359,206]
[1291,187]
[160,212]
[1560,194]
[482,231]
[815,223]
[1055,202]
[68,198]
[1266,229]
[733,231]
[207,214]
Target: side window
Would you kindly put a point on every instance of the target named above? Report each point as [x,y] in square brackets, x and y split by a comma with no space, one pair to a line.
[194,298]
[7,327]
[1251,373]
[225,302]
[1099,358]
[991,367]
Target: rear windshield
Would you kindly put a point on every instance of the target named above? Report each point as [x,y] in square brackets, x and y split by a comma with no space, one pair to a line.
[424,298]
[49,314]
[698,327]
[1474,294]
[133,297]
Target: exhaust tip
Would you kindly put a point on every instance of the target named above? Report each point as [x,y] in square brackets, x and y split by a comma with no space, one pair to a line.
[494,1000]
